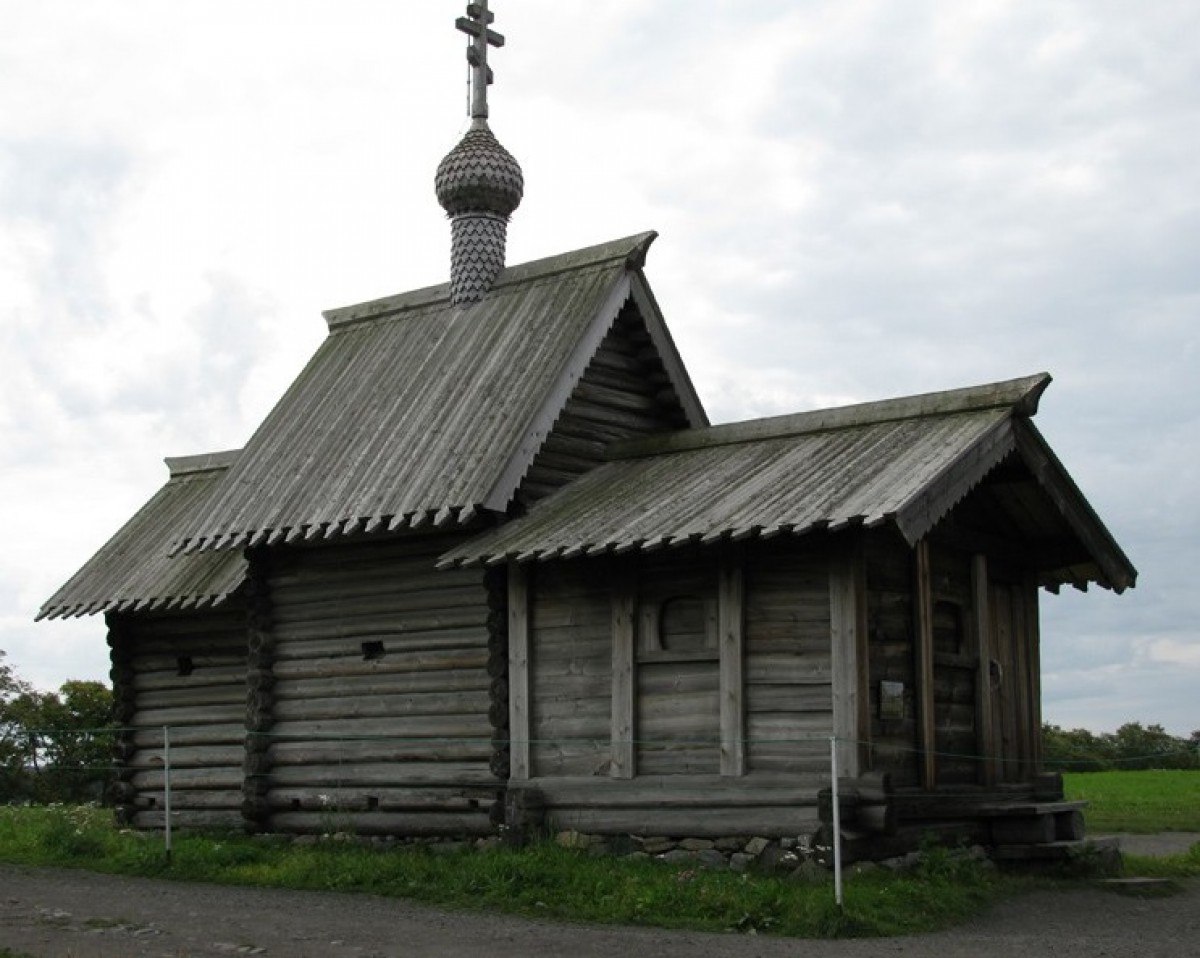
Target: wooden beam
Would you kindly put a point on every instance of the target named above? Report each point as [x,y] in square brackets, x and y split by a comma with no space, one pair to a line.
[846,634]
[982,636]
[624,679]
[1034,638]
[518,670]
[923,605]
[731,605]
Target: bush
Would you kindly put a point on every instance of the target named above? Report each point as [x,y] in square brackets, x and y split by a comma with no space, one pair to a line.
[1132,746]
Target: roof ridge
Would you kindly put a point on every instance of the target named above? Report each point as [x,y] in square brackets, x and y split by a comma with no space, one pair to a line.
[201,462]
[1021,395]
[632,249]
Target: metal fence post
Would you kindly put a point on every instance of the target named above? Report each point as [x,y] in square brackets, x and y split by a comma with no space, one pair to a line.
[837,823]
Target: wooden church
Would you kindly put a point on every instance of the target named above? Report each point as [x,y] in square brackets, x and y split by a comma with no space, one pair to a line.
[487,562]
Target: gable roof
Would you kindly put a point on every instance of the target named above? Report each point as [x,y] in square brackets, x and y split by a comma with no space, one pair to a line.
[906,461]
[415,411]
[133,571]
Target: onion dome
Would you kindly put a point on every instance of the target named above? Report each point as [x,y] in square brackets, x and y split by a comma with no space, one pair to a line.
[479,176]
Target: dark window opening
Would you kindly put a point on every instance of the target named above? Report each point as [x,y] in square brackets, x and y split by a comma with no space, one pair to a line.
[372,803]
[184,665]
[372,651]
[295,804]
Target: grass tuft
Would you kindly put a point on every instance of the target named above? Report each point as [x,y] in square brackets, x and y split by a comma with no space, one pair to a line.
[543,880]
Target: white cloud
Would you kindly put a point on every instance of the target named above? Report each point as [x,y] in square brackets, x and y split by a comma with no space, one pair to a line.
[856,199]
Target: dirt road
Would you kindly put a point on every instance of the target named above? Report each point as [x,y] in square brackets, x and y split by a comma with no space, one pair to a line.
[50,913]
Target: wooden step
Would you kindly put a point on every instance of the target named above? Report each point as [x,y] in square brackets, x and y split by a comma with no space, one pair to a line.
[1028,809]
[1055,851]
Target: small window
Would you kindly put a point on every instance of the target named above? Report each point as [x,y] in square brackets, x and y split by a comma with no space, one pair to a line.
[683,624]
[949,627]
[372,803]
[372,651]
[184,665]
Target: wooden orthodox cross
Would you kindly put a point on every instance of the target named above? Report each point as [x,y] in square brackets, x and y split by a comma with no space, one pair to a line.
[475,25]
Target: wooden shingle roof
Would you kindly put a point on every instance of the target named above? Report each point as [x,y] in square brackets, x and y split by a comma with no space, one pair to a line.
[905,461]
[133,569]
[415,411]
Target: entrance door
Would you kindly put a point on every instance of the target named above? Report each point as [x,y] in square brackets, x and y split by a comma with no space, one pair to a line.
[1013,673]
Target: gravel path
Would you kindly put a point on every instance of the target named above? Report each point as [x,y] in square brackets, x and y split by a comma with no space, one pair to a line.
[51,913]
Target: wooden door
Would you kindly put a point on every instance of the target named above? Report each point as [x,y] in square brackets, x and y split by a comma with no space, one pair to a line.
[1013,674]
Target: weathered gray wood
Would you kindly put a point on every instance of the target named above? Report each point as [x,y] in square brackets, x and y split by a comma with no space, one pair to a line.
[1023,393]
[371,681]
[624,728]
[470,702]
[410,774]
[1034,666]
[398,727]
[778,821]
[519,723]
[926,723]
[730,603]
[673,791]
[982,632]
[416,824]
[843,633]
[394,751]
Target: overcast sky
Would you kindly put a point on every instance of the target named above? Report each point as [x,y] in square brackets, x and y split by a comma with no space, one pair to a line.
[855,200]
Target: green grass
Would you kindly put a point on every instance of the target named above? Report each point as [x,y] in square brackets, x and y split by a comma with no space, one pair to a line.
[1143,802]
[544,880]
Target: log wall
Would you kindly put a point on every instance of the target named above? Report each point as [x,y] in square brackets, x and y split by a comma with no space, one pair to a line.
[955,665]
[187,671]
[570,669]
[675,786]
[789,691]
[381,691]
[624,392]
[890,624]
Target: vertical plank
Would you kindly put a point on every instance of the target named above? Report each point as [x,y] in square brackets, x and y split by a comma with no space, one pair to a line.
[1034,630]
[1019,689]
[982,635]
[624,684]
[731,605]
[518,671]
[926,729]
[843,637]
[863,653]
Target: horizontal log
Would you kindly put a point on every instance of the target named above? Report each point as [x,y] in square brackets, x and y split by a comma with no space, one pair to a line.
[189,778]
[787,669]
[400,727]
[410,576]
[679,761]
[189,819]
[204,625]
[771,822]
[398,604]
[224,694]
[789,726]
[673,791]
[789,698]
[198,756]
[413,824]
[391,662]
[384,799]
[383,706]
[357,626]
[216,734]
[229,799]
[200,661]
[407,774]
[546,684]
[427,750]
[394,642]
[170,679]
[204,715]
[778,759]
[372,682]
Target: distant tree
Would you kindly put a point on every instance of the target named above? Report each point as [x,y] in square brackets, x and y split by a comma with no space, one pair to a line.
[1151,746]
[13,746]
[54,746]
[1132,746]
